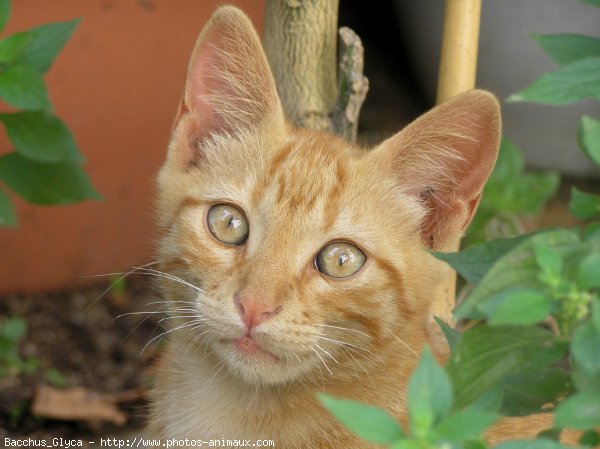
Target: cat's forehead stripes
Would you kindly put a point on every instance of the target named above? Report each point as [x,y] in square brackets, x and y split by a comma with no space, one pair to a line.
[276,162]
[332,205]
[304,171]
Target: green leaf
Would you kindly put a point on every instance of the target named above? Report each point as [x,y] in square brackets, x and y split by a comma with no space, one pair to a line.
[366,421]
[55,378]
[510,161]
[596,313]
[551,434]
[23,87]
[475,261]
[586,381]
[43,183]
[525,193]
[529,393]
[511,189]
[517,268]
[588,136]
[565,48]
[14,329]
[407,444]
[5,8]
[547,259]
[570,83]
[490,401]
[585,346]
[486,355]
[540,443]
[8,216]
[46,43]
[13,46]
[472,444]
[580,411]
[429,394]
[592,2]
[520,307]
[465,424]
[41,136]
[588,272]
[591,232]
[452,336]
[510,192]
[584,206]
[591,438]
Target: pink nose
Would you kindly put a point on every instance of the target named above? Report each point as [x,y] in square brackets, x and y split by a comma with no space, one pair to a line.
[254,310]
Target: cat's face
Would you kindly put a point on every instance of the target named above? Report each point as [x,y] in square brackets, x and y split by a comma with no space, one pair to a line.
[331,246]
[304,256]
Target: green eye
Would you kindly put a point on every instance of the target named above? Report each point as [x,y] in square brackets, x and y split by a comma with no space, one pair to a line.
[340,259]
[227,224]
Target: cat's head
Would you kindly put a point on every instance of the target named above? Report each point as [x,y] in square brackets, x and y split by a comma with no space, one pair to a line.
[301,255]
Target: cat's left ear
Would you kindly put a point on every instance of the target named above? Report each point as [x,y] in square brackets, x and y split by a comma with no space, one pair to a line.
[445,157]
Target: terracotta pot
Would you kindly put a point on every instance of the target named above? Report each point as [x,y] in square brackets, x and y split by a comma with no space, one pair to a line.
[117,85]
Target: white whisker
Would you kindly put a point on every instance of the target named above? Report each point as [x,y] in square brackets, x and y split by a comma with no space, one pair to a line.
[328,353]
[343,328]
[191,323]
[346,344]
[322,361]
[171,277]
[115,282]
[402,342]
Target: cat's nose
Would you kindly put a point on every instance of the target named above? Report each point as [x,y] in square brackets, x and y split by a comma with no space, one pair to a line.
[254,310]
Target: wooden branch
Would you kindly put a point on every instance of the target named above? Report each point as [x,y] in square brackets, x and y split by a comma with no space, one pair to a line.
[300,42]
[352,85]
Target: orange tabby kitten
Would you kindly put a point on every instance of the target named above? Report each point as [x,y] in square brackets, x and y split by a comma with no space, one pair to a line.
[303,257]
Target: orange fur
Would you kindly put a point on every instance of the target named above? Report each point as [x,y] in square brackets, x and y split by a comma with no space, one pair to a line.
[357,337]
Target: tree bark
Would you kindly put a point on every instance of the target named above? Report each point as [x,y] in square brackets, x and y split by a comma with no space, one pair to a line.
[353,85]
[300,41]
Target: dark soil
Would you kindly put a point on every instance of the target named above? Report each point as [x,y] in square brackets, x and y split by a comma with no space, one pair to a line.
[83,336]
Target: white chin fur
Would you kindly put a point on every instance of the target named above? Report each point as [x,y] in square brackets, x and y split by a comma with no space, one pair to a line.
[261,368]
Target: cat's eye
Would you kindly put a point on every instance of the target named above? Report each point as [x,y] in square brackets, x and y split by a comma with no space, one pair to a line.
[227,224]
[340,259]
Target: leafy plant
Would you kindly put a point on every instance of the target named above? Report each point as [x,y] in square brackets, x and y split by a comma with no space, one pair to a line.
[12,331]
[510,193]
[45,167]
[535,345]
[433,417]
[577,78]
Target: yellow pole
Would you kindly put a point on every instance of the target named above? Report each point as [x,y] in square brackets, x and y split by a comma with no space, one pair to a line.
[458,66]
[458,61]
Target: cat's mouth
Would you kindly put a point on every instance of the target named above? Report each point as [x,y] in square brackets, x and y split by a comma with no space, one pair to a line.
[247,345]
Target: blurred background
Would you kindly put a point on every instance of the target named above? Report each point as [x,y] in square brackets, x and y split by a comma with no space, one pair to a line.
[117,85]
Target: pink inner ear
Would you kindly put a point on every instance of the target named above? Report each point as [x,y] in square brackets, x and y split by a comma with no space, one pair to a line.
[229,85]
[479,148]
[205,81]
